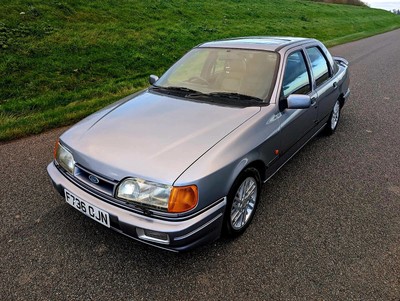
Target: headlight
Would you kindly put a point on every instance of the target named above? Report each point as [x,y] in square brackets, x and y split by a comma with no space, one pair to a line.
[64,158]
[158,196]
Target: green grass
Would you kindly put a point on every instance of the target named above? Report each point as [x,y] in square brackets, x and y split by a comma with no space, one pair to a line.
[60,61]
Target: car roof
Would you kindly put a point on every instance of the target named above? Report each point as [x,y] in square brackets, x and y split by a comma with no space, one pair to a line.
[258,43]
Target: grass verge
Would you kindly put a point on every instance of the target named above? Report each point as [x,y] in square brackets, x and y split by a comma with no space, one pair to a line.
[60,61]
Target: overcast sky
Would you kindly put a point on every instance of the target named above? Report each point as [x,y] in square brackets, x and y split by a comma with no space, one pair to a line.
[384,4]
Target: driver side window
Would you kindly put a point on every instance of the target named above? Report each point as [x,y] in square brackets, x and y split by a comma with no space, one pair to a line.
[296,79]
[185,71]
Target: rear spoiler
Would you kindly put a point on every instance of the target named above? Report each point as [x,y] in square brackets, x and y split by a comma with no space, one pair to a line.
[341,60]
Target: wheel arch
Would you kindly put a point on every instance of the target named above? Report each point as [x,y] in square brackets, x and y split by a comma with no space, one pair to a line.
[341,99]
[259,166]
[256,163]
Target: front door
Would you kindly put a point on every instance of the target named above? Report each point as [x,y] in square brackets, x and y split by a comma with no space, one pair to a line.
[296,123]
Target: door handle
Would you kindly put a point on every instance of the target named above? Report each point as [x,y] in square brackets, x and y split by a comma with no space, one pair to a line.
[335,85]
[313,101]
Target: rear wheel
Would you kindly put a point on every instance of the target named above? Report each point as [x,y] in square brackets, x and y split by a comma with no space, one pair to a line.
[242,202]
[334,119]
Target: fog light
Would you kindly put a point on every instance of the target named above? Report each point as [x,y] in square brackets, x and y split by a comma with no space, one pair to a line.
[154,236]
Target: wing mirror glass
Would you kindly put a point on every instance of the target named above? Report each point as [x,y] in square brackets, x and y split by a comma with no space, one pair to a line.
[298,101]
[153,79]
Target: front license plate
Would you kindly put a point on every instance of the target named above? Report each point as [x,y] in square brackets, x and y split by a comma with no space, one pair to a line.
[88,209]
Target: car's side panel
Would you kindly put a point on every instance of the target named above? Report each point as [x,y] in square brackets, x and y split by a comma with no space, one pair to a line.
[282,159]
[343,78]
[294,124]
[328,93]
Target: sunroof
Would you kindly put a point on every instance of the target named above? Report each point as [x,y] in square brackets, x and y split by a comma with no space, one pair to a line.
[269,41]
[261,41]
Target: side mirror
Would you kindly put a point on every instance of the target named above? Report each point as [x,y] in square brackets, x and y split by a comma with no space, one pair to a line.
[153,79]
[298,101]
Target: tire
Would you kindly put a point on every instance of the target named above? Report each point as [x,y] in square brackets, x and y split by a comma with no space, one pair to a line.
[241,209]
[334,119]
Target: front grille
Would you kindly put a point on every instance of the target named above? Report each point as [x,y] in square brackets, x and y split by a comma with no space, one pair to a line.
[105,190]
[97,182]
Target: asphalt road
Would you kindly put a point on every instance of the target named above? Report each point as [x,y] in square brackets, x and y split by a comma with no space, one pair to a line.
[327,228]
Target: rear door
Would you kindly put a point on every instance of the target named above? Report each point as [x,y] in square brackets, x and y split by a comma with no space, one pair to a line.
[324,82]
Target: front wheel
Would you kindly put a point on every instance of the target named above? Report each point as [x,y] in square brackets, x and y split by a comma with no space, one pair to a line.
[242,202]
[333,120]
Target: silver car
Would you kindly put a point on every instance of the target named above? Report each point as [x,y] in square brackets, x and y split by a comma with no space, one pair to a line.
[183,161]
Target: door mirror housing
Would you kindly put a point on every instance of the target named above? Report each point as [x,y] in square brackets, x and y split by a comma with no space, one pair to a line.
[153,79]
[298,101]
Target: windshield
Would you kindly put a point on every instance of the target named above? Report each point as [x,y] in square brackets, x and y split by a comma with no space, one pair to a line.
[219,71]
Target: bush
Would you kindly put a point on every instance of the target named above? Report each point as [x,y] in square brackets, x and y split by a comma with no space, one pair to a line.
[348,2]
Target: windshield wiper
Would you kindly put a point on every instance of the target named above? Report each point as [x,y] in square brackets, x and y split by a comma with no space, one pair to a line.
[190,93]
[234,95]
[176,88]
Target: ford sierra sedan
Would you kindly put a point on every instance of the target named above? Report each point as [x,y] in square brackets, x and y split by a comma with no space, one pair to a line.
[181,162]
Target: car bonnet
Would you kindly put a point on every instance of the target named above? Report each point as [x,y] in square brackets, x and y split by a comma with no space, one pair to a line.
[151,136]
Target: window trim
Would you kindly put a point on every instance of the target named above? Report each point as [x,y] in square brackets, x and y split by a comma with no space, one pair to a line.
[328,65]
[306,62]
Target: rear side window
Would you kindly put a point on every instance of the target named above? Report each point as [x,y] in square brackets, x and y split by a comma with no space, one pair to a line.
[319,65]
[296,79]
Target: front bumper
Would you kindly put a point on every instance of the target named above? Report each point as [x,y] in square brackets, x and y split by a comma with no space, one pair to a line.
[183,234]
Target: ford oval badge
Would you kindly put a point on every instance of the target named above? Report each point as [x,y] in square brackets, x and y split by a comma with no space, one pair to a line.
[94,179]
